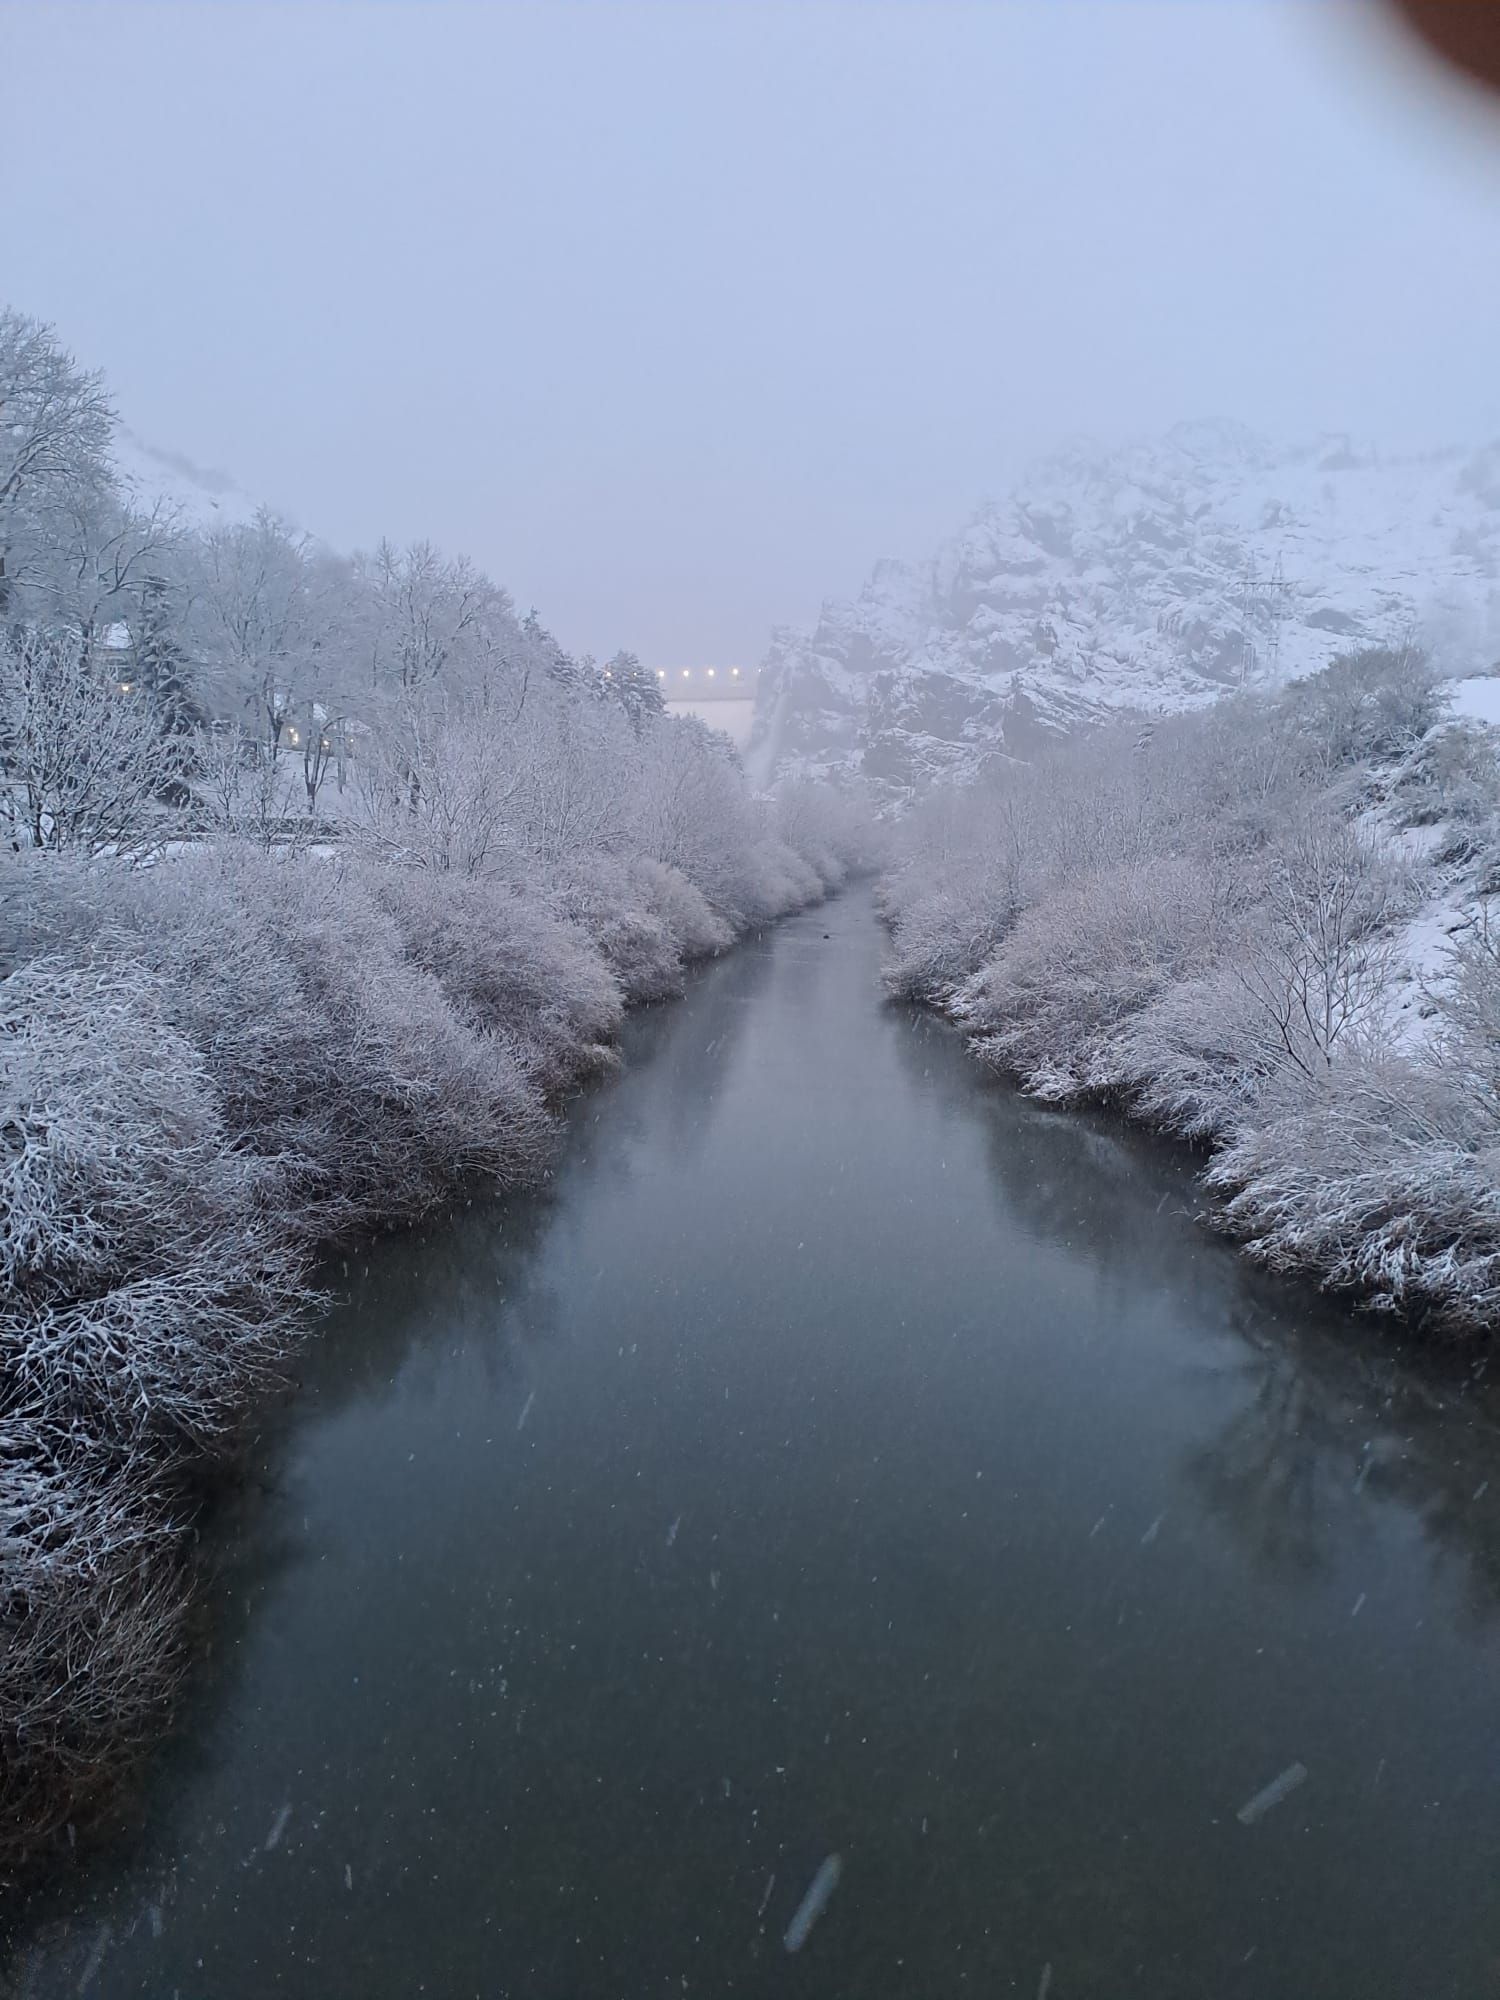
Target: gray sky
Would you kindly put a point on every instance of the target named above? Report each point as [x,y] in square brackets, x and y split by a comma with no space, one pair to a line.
[676,316]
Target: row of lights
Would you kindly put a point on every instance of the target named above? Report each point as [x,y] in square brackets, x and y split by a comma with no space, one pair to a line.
[687,672]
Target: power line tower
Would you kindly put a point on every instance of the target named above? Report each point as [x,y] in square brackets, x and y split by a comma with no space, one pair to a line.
[1248,592]
[1262,603]
[1276,608]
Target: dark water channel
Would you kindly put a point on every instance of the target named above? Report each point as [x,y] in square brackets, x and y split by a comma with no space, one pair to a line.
[846,1457]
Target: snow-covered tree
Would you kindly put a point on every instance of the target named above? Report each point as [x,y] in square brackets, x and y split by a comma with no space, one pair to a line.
[237,786]
[635,688]
[160,669]
[217,1064]
[85,762]
[1320,963]
[56,425]
[433,619]
[256,617]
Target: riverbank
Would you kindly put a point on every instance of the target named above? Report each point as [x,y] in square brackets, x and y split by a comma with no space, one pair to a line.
[845,1455]
[216,1070]
[1372,1179]
[1264,930]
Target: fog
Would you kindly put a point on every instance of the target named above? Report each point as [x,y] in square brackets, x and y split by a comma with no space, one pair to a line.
[839,1309]
[674,317]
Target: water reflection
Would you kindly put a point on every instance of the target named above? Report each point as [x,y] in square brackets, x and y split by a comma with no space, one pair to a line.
[1331,1429]
[467,1291]
[691,1063]
[1275,1473]
[1079,1180]
[1331,1415]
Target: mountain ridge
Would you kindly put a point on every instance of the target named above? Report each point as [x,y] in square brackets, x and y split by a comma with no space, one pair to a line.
[1152,576]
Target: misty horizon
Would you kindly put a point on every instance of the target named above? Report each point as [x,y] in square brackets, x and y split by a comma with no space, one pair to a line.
[820,282]
[749,998]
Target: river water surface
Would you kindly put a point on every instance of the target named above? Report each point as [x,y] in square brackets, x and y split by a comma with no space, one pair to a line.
[846,1458]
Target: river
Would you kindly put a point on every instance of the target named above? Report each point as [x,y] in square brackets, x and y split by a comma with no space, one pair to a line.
[843,1457]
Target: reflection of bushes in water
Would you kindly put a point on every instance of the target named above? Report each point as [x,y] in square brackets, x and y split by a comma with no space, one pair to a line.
[694,1045]
[404,1297]
[212,1070]
[1332,1410]
[1323,1425]
[1113,1196]
[473,1279]
[1326,1417]
[1278,1472]
[97,1562]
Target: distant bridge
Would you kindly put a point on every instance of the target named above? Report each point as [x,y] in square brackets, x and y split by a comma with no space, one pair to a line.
[698,684]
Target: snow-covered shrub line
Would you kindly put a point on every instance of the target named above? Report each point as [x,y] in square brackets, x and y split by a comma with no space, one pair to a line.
[1199,921]
[209,1069]
[323,877]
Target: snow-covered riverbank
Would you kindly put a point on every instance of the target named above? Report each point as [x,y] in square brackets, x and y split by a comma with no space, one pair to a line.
[1266,930]
[214,1069]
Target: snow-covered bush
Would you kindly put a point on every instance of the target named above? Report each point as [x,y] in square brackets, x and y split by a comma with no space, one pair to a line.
[957,873]
[143,1284]
[1384,1181]
[93,1599]
[1376,703]
[331,1051]
[598,894]
[1197,919]
[1319,965]
[695,929]
[505,962]
[1197,1059]
[49,907]
[239,788]
[339,1055]
[397,1100]
[766,880]
[87,762]
[1468,1002]
[1051,1004]
[833,831]
[1451,774]
[941,934]
[957,891]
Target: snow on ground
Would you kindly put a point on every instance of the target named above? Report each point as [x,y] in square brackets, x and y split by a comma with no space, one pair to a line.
[1421,946]
[1477,699]
[1419,844]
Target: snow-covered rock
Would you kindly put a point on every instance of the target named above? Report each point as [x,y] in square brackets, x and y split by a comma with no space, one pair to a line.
[1153,577]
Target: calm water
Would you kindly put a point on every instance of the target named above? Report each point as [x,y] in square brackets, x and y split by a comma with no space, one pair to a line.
[846,1458]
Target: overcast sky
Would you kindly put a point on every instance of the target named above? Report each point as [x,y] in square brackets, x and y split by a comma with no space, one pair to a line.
[677,316]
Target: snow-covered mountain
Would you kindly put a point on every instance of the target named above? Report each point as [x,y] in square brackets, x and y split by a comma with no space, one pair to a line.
[1153,577]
